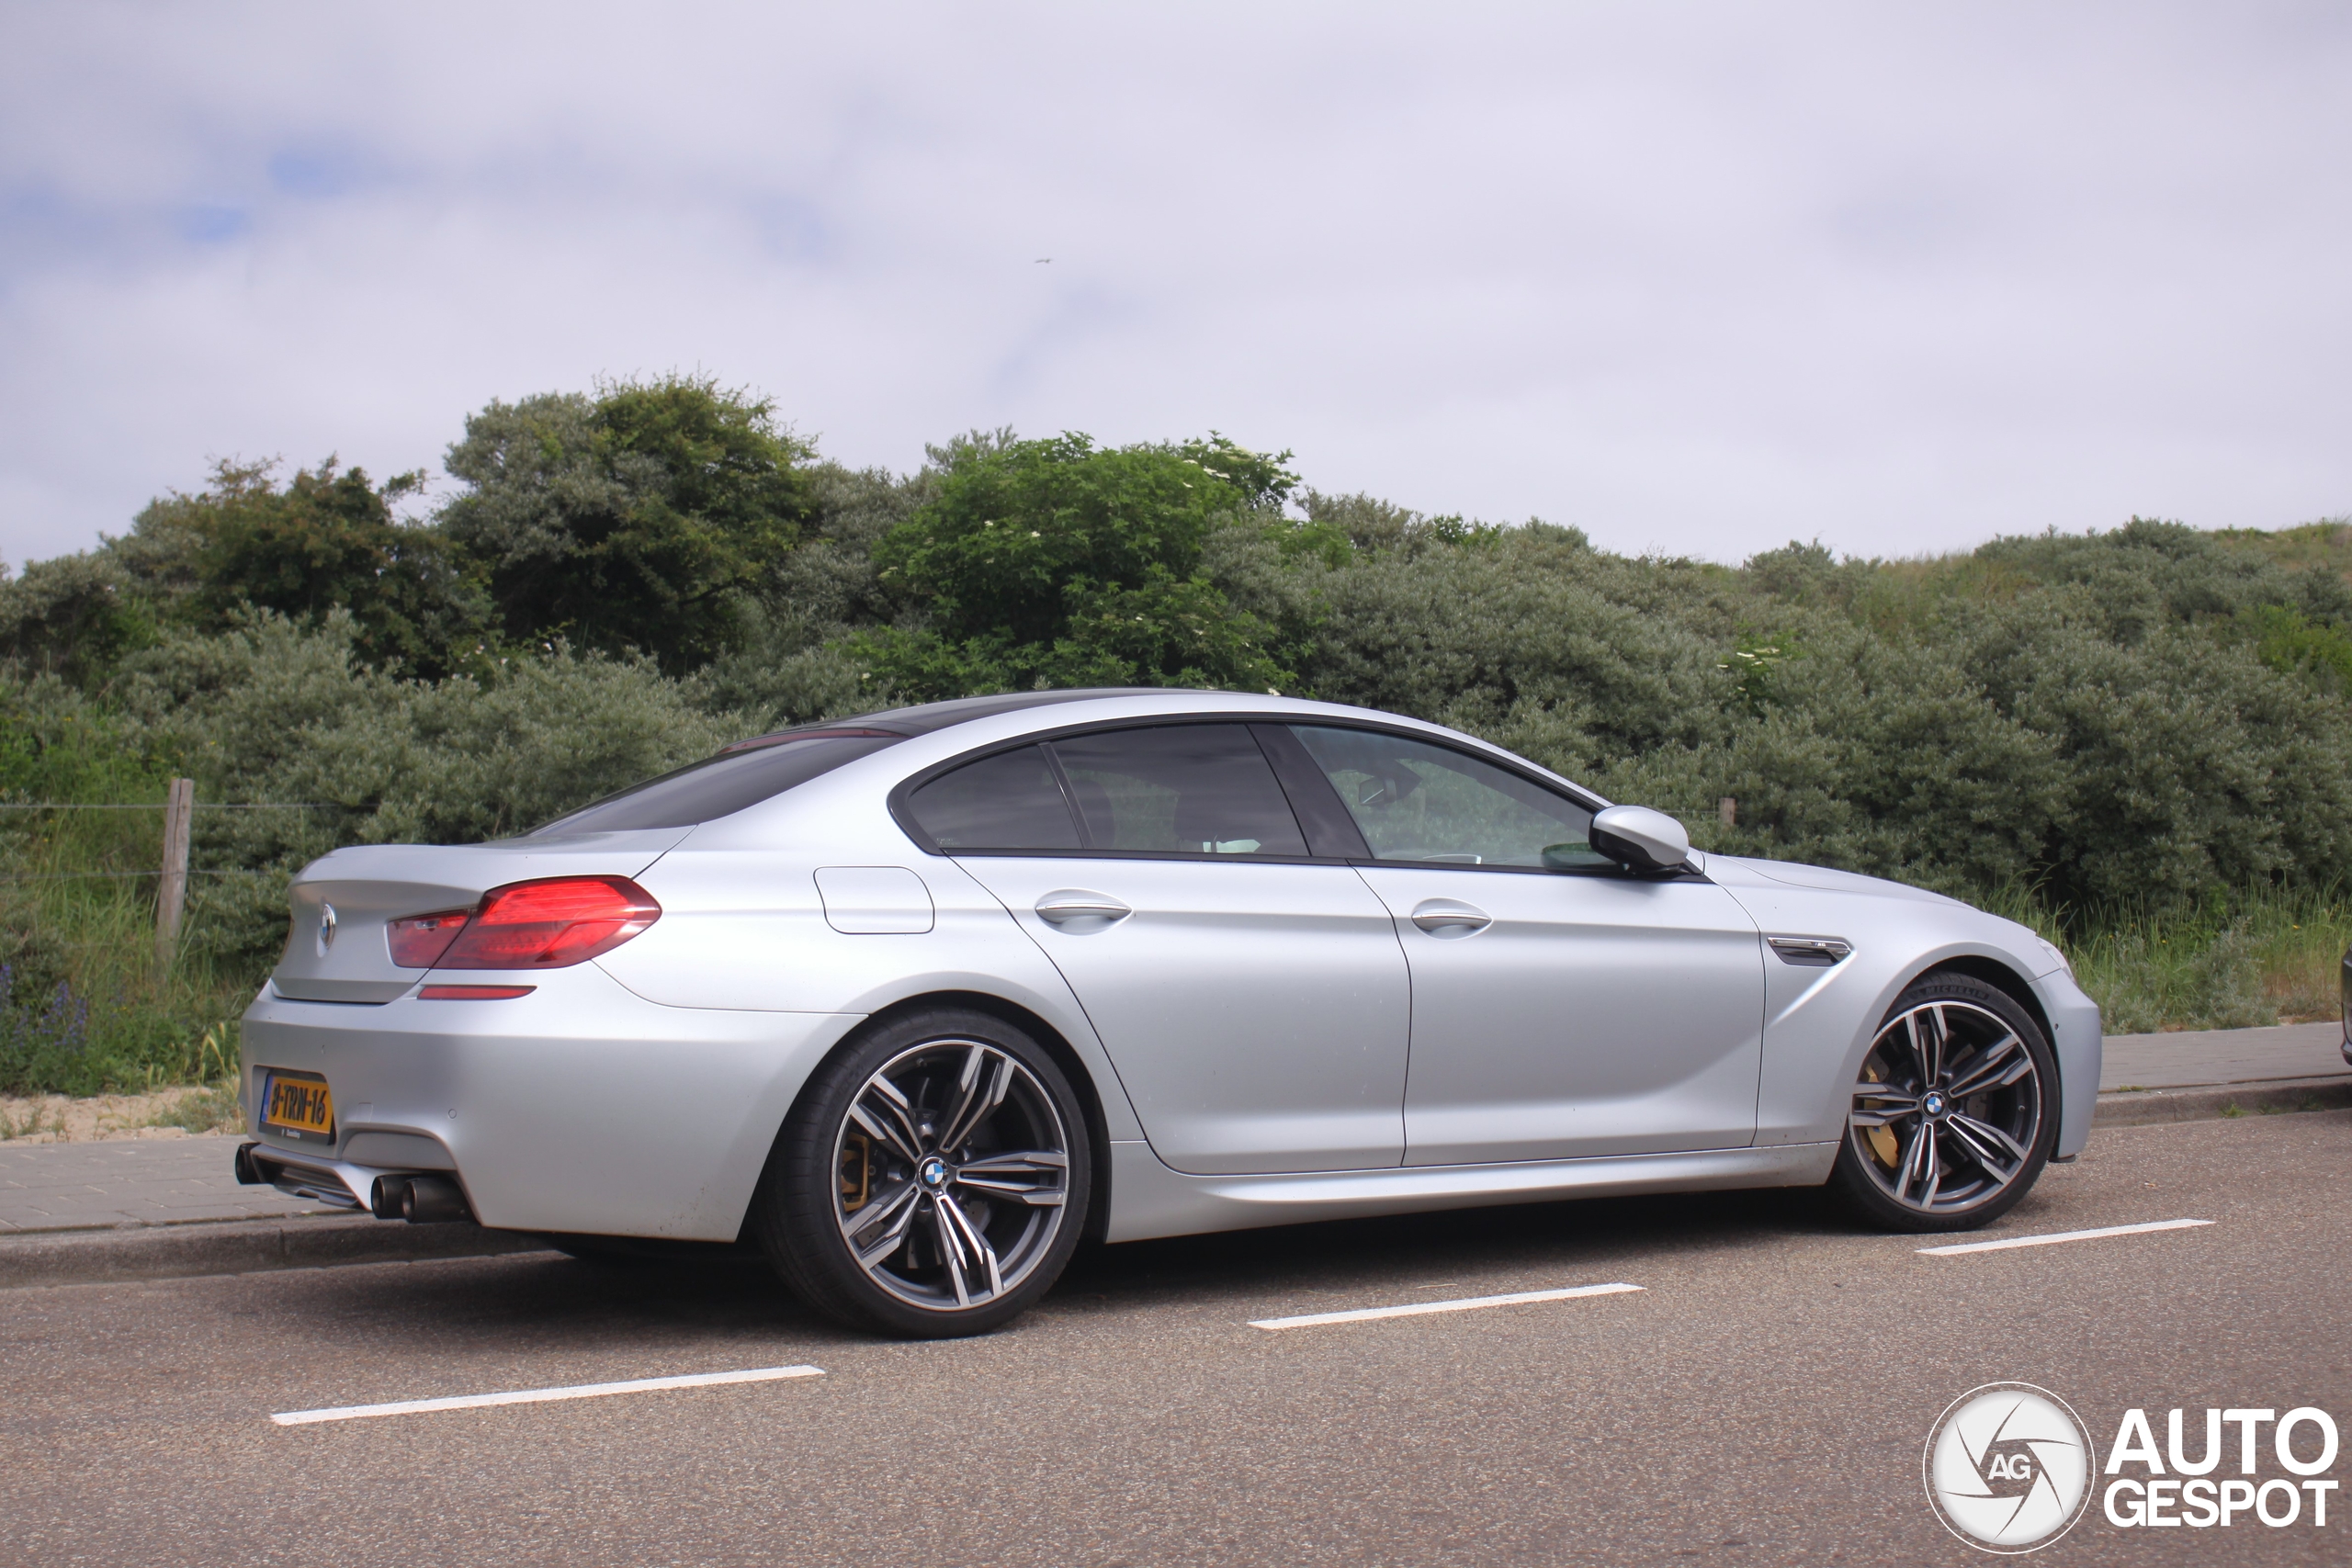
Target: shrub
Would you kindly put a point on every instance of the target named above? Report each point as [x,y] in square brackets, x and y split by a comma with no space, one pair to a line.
[2120,733]
[636,520]
[277,712]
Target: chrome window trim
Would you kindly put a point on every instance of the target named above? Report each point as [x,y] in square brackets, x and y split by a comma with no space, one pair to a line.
[901,793]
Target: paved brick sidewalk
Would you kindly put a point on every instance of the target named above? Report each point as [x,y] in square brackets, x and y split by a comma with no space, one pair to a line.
[138,1182]
[2201,1057]
[130,1181]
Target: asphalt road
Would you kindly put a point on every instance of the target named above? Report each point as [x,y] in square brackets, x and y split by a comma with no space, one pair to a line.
[1763,1398]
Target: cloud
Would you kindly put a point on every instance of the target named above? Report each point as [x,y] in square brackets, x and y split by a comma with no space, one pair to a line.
[1696,278]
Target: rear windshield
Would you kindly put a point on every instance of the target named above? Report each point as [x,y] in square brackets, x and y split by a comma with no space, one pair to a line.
[720,786]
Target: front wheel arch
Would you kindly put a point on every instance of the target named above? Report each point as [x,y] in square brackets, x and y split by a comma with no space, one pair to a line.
[2014,985]
[1908,1056]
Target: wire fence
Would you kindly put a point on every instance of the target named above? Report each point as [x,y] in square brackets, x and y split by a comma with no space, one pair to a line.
[109,875]
[172,874]
[9,877]
[166,806]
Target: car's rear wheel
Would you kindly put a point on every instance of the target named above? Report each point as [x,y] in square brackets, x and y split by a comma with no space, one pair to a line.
[1954,1111]
[932,1181]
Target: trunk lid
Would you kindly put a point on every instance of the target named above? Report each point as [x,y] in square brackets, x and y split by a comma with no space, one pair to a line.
[369,885]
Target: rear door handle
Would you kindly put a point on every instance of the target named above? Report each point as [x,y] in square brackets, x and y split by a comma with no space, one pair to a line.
[1075,907]
[1450,917]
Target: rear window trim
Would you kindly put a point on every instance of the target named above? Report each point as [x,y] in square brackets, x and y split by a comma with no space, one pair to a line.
[737,749]
[902,793]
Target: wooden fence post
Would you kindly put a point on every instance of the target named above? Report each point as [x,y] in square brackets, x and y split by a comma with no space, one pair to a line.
[1728,810]
[171,898]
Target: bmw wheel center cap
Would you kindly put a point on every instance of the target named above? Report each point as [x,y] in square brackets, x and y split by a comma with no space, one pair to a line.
[934,1173]
[1934,1104]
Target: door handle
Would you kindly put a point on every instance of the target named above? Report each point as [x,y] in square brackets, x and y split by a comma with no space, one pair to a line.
[1077,907]
[1450,917]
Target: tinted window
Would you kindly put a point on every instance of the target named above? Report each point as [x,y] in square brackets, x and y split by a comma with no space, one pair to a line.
[1418,802]
[718,787]
[1005,802]
[1179,788]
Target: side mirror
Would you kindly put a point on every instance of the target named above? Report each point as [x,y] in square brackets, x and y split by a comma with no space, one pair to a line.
[1641,837]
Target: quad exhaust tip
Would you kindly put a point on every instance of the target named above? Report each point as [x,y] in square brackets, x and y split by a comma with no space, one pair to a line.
[419,1200]
[422,1199]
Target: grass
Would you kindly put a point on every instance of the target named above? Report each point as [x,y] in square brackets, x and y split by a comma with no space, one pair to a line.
[212,1109]
[2234,962]
[37,1119]
[2326,543]
[86,1005]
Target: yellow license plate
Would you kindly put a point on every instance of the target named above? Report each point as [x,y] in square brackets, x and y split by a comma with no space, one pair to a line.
[298,1106]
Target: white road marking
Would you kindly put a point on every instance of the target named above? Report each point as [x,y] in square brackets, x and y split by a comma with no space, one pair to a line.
[2062,1236]
[540,1395]
[1365,1315]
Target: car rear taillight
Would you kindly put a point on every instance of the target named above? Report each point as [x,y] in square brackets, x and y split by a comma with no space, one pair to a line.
[419,941]
[550,924]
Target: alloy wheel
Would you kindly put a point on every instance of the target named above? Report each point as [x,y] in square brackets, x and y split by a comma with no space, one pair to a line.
[1949,1108]
[952,1171]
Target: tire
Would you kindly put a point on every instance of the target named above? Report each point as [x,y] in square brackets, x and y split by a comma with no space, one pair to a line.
[932,1179]
[1962,1061]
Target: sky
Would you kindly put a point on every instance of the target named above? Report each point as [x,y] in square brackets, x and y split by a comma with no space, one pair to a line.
[1699,279]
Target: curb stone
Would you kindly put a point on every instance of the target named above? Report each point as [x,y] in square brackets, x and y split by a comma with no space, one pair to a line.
[2146,1106]
[237,1247]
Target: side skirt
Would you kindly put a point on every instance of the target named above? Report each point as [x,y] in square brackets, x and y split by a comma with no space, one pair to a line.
[1148,1200]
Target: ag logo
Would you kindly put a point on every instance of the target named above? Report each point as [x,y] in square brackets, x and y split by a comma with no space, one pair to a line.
[2009,1467]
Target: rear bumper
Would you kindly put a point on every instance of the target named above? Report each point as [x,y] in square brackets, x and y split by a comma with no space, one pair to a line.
[581,1107]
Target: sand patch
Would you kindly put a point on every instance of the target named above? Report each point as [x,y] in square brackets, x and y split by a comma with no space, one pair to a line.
[159,1113]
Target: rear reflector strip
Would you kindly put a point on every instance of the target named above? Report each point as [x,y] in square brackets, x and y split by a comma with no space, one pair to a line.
[473,993]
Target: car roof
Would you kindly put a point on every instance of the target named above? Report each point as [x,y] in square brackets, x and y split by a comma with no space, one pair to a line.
[929,718]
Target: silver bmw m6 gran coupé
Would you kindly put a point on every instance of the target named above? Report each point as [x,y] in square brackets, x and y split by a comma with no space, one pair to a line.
[916,1001]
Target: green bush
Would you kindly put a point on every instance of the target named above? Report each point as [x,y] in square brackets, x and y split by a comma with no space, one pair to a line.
[636,520]
[1059,563]
[327,541]
[2135,739]
[272,711]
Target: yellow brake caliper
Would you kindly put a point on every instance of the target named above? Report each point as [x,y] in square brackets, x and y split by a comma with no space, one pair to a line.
[857,1172]
[1881,1141]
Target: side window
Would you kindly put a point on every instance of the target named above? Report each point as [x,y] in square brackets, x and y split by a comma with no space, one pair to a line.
[1007,802]
[1415,801]
[1179,788]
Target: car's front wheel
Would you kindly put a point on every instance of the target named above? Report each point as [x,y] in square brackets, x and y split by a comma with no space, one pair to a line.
[931,1180]
[1954,1111]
